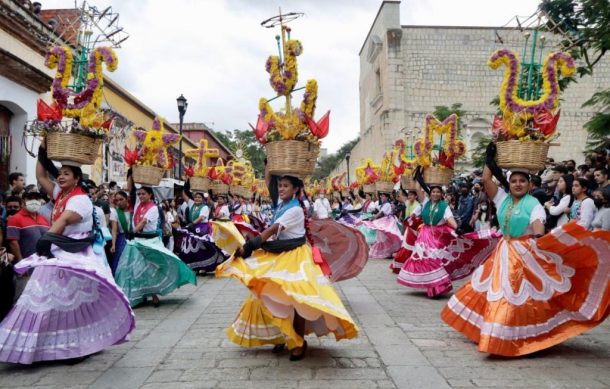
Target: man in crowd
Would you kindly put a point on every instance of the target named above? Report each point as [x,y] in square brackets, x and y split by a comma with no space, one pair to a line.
[465,208]
[16,183]
[26,227]
[321,207]
[601,178]
[537,191]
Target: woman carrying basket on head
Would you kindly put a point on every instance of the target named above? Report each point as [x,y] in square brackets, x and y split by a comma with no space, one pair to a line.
[147,268]
[439,255]
[197,248]
[533,291]
[290,295]
[71,306]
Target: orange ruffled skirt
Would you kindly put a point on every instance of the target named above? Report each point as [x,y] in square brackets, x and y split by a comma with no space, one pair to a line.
[531,295]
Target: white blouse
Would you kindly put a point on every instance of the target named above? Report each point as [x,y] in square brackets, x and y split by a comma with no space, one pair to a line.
[82,205]
[151,216]
[559,209]
[292,224]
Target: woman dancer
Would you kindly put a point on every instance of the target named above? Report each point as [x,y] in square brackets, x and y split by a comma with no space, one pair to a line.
[71,307]
[384,226]
[439,255]
[120,217]
[290,296]
[197,248]
[147,268]
[411,226]
[221,211]
[534,291]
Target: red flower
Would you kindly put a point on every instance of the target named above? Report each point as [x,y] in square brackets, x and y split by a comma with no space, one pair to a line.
[445,161]
[130,156]
[189,171]
[212,175]
[46,112]
[546,122]
[261,129]
[319,129]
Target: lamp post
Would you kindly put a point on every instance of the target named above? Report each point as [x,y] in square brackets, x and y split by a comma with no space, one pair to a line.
[182,104]
[347,157]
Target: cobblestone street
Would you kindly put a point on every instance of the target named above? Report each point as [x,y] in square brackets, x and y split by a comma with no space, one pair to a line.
[403,344]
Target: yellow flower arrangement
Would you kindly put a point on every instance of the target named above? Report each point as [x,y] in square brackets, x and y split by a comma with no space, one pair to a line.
[368,172]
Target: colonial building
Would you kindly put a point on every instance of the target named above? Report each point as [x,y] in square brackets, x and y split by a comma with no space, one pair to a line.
[197,131]
[25,36]
[405,71]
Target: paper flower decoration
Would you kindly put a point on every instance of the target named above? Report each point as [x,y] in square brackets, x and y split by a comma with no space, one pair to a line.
[518,113]
[368,172]
[154,144]
[291,123]
[85,104]
[452,147]
[202,154]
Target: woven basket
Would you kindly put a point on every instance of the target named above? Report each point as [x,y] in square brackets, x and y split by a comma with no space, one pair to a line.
[344,192]
[200,184]
[292,157]
[407,182]
[147,175]
[514,154]
[384,186]
[72,147]
[218,187]
[437,176]
[369,188]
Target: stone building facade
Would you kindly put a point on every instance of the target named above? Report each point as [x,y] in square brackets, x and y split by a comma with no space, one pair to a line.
[405,71]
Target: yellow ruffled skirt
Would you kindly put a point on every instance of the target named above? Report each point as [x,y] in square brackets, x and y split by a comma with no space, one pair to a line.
[282,284]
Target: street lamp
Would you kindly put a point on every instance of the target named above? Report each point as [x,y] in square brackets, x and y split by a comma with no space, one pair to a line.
[182,104]
[347,157]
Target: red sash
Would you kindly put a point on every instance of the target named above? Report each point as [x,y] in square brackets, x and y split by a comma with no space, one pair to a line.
[62,200]
[140,212]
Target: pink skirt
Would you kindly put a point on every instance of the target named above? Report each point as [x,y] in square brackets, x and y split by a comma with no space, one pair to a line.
[408,243]
[388,236]
[439,256]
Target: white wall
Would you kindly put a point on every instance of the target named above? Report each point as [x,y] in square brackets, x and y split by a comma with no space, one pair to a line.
[22,103]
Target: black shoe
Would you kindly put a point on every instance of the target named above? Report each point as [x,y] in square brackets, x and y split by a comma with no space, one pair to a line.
[278,348]
[301,355]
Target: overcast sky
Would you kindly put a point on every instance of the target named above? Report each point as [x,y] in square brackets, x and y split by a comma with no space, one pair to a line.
[214,51]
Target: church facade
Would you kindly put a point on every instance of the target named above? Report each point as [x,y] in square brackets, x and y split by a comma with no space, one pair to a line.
[405,71]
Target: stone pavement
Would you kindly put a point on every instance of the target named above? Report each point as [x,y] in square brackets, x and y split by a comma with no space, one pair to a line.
[403,344]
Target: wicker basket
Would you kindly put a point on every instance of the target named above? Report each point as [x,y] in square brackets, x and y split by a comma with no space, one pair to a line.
[200,184]
[218,187]
[369,188]
[147,175]
[407,182]
[345,192]
[384,186]
[292,157]
[514,154]
[73,147]
[437,176]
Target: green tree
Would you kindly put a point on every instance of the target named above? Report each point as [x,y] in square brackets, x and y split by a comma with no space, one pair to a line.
[585,26]
[478,153]
[328,164]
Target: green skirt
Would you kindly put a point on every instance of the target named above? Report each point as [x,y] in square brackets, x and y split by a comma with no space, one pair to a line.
[146,268]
